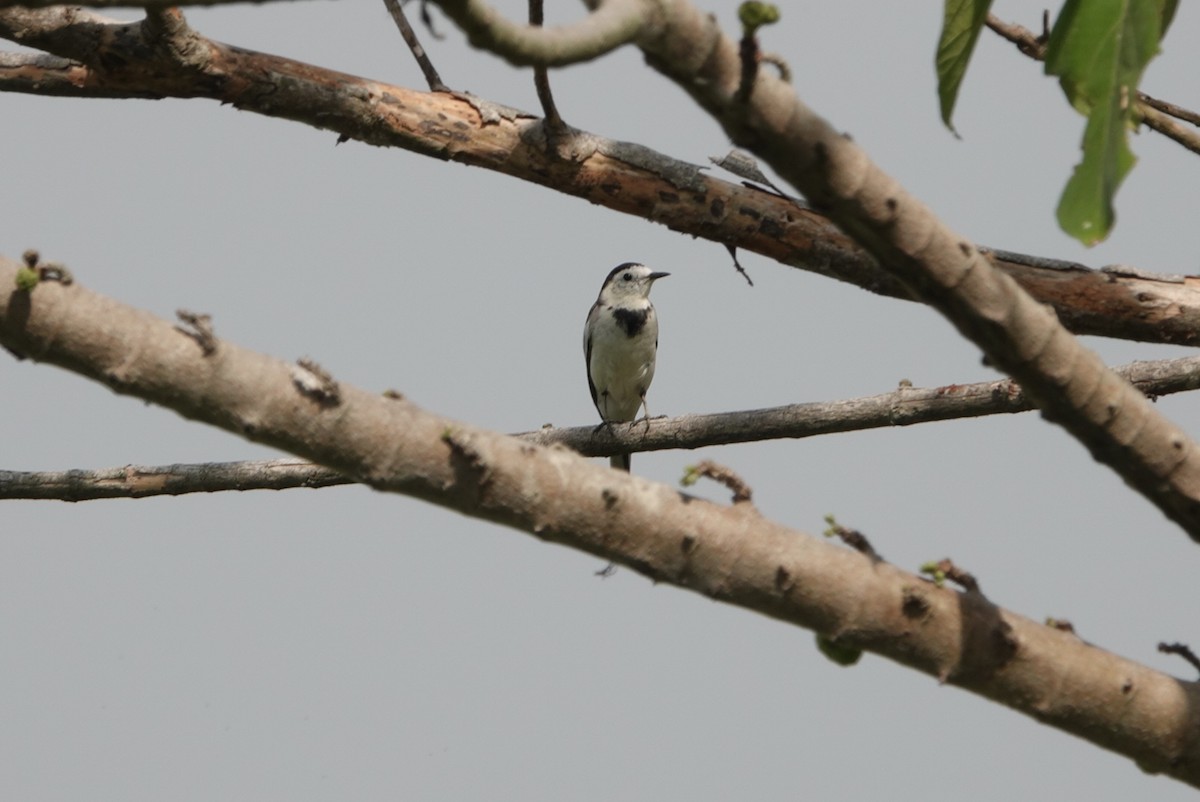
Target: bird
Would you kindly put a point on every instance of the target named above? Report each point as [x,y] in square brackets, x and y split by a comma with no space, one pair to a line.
[620,344]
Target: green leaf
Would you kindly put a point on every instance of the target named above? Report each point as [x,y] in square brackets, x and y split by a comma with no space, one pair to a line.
[1085,210]
[1099,50]
[1168,16]
[962,20]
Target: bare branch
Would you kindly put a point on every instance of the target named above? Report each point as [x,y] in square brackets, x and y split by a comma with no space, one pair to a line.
[730,554]
[1025,40]
[1156,114]
[1067,381]
[1163,124]
[612,24]
[410,38]
[707,469]
[134,481]
[851,537]
[905,406]
[541,78]
[944,569]
[621,176]
[1182,650]
[157,5]
[1178,112]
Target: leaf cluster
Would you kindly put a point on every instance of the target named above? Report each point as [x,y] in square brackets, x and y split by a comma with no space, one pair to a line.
[1098,50]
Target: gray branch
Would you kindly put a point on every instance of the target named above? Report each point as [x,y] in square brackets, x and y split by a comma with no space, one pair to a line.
[614,23]
[157,5]
[1113,302]
[904,406]
[731,554]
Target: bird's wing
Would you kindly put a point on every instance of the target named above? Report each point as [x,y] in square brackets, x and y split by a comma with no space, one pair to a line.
[587,354]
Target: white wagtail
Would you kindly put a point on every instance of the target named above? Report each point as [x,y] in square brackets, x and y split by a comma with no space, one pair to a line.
[620,342]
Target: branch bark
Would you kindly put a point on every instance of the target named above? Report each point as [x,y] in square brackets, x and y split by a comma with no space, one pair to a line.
[729,554]
[1067,381]
[140,481]
[612,24]
[904,406]
[146,4]
[100,58]
[1156,115]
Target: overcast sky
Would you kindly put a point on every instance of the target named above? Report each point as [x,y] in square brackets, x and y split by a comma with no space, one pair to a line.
[345,644]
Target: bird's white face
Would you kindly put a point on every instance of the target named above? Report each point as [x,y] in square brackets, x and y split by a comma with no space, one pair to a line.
[629,281]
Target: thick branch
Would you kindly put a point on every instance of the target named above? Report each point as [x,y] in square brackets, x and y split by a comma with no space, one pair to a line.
[1068,382]
[620,176]
[730,554]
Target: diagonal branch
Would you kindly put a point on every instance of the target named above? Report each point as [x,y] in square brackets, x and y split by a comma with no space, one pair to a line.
[1114,421]
[100,58]
[730,554]
[903,407]
[1069,383]
[414,45]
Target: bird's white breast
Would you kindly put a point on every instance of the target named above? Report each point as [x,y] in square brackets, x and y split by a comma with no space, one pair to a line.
[621,366]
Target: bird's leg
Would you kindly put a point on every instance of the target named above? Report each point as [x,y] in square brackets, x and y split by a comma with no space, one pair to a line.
[645,415]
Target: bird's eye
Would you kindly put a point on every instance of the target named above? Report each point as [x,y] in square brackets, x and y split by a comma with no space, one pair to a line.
[628,276]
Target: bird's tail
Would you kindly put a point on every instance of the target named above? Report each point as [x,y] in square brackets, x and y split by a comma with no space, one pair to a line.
[621,461]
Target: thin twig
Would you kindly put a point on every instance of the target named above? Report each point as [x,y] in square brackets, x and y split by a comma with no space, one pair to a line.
[1025,40]
[427,21]
[904,406]
[851,537]
[719,473]
[1165,125]
[410,38]
[199,328]
[1156,114]
[1182,650]
[748,51]
[541,79]
[733,255]
[946,569]
[1178,112]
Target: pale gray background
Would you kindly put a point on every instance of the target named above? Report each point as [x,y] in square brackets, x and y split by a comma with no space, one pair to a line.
[342,644]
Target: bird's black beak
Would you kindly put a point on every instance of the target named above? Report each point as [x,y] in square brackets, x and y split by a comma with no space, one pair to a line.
[657,276]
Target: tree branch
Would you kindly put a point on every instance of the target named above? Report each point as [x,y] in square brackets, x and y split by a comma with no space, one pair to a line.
[620,176]
[139,481]
[900,233]
[729,554]
[612,24]
[902,407]
[541,79]
[1155,114]
[1067,381]
[432,79]
[146,4]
